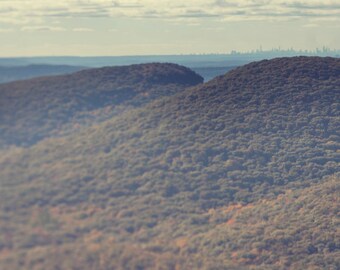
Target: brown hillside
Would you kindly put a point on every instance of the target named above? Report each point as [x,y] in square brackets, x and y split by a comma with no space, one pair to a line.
[34,109]
[239,173]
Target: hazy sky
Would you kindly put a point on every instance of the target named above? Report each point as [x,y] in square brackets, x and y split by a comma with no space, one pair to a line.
[132,27]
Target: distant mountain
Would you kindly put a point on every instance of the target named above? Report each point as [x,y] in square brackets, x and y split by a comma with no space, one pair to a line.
[34,109]
[14,73]
[237,173]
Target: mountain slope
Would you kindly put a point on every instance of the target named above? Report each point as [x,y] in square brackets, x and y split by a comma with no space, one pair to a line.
[297,229]
[255,127]
[146,180]
[34,109]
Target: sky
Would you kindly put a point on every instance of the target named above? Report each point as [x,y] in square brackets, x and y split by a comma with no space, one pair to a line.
[156,27]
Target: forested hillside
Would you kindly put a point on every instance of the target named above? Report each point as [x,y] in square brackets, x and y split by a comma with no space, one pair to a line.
[34,109]
[295,230]
[241,172]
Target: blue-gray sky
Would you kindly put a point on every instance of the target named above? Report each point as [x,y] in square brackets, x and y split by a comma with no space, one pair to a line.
[144,27]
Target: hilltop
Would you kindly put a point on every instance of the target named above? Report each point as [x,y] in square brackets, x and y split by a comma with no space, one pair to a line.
[210,177]
[32,110]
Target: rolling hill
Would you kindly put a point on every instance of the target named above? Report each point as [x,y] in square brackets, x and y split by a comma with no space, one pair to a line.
[34,109]
[15,73]
[241,172]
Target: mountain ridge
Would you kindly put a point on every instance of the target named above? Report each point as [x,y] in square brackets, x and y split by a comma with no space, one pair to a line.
[174,183]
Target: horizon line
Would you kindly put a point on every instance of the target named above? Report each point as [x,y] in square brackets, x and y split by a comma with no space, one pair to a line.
[315,52]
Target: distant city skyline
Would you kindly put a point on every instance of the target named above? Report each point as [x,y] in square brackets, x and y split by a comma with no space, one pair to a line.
[149,27]
[317,51]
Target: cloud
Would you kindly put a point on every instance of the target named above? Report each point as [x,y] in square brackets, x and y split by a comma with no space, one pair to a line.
[28,10]
[313,6]
[198,13]
[119,4]
[42,29]
[223,3]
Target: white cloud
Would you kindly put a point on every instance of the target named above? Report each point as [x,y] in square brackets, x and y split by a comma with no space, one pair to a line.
[29,10]
[42,28]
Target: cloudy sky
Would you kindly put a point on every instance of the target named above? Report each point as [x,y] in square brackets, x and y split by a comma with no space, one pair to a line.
[134,27]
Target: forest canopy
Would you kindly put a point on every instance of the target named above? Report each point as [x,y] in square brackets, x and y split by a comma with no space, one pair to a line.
[241,172]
